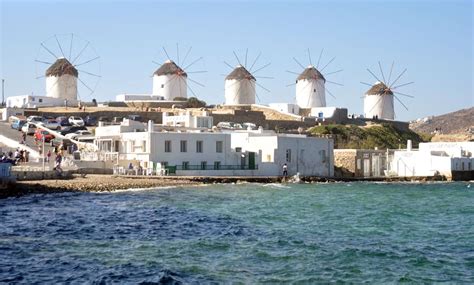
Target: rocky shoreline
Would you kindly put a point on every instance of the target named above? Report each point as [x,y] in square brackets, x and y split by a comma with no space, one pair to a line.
[90,183]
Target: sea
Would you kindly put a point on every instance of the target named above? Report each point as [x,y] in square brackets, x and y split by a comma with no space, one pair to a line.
[242,234]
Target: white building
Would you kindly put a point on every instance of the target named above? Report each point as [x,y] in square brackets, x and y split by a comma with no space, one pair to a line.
[34,101]
[310,89]
[188,120]
[138,97]
[240,153]
[240,87]
[169,81]
[288,108]
[433,158]
[378,102]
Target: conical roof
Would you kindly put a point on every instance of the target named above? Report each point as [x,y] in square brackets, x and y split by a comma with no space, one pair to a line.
[170,67]
[379,88]
[240,73]
[60,67]
[311,73]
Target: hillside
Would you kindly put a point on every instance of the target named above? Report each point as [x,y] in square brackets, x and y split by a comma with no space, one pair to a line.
[380,136]
[459,122]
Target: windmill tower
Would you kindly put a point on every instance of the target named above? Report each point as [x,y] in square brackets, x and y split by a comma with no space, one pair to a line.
[240,84]
[240,87]
[311,84]
[379,99]
[310,88]
[170,80]
[72,56]
[61,80]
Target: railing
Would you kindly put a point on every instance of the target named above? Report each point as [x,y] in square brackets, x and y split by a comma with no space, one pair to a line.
[213,167]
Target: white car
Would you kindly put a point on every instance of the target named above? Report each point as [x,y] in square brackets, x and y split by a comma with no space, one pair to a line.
[34,119]
[28,129]
[50,124]
[78,133]
[76,121]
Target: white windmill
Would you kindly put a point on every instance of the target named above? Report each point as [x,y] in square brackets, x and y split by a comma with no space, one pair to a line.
[311,83]
[379,99]
[170,80]
[72,56]
[240,84]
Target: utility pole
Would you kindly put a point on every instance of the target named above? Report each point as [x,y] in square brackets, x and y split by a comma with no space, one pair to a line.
[3,92]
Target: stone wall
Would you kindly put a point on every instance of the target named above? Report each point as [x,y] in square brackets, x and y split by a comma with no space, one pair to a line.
[346,160]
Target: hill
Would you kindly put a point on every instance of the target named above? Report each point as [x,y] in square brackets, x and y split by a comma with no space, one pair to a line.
[460,122]
[381,136]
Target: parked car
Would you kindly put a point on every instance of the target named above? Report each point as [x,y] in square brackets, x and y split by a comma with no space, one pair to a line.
[58,141]
[63,121]
[78,133]
[72,129]
[250,126]
[28,129]
[50,124]
[43,134]
[76,121]
[90,121]
[225,125]
[34,119]
[135,118]
[17,124]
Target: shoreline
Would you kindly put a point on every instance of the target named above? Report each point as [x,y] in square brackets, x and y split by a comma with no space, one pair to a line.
[111,183]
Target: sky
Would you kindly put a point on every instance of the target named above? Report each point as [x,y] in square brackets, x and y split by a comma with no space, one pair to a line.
[431,39]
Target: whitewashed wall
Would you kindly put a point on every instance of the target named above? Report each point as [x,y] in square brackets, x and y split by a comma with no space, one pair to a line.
[285,108]
[64,87]
[239,91]
[310,93]
[170,86]
[379,105]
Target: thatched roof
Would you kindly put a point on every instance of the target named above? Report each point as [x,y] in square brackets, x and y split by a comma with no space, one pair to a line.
[379,88]
[311,73]
[240,73]
[170,67]
[60,67]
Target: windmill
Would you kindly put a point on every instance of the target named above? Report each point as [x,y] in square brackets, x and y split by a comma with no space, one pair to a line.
[378,100]
[170,80]
[241,82]
[68,56]
[311,83]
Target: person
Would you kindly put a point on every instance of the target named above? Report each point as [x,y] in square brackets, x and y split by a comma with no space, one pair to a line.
[57,165]
[48,155]
[23,138]
[285,170]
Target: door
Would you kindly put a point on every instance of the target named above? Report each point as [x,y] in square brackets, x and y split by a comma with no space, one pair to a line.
[366,167]
[251,160]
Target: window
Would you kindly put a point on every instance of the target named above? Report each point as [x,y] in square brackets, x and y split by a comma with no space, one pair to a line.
[162,86]
[132,146]
[144,146]
[185,165]
[198,146]
[288,155]
[167,146]
[203,165]
[314,90]
[40,100]
[238,149]
[217,165]
[184,146]
[219,146]
[164,164]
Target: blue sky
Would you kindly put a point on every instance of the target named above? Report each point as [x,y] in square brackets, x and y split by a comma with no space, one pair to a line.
[432,39]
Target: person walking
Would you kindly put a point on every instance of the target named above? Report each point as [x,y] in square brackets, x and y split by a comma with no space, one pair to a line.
[48,156]
[285,170]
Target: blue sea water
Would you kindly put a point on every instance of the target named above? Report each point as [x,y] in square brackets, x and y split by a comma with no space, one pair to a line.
[248,233]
